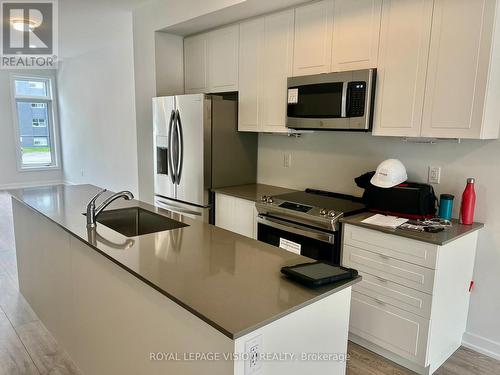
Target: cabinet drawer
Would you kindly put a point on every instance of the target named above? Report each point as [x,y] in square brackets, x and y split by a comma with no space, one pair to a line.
[391,328]
[412,251]
[391,269]
[396,295]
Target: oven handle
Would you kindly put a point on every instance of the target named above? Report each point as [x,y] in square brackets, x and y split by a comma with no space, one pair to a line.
[343,110]
[296,229]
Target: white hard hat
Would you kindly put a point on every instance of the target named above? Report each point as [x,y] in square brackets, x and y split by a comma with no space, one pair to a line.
[390,173]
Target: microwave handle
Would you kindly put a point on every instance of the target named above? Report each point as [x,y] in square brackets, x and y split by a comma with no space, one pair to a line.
[343,110]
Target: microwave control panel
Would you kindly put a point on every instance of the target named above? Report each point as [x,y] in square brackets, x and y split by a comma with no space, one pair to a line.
[356,99]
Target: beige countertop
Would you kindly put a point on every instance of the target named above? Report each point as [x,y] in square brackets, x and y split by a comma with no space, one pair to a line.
[231,282]
[450,234]
[252,192]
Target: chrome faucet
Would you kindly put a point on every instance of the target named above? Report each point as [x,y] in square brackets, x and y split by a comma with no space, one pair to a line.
[93,212]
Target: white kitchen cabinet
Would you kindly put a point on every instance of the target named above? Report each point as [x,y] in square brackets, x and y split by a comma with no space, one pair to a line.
[223,59]
[266,52]
[236,215]
[250,75]
[211,61]
[313,38]
[458,70]
[439,69]
[402,64]
[356,32]
[195,64]
[413,301]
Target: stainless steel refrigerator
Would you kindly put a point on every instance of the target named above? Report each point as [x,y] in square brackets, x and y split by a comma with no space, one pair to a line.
[196,148]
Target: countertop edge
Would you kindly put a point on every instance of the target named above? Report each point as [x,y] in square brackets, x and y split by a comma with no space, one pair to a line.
[341,286]
[232,336]
[408,234]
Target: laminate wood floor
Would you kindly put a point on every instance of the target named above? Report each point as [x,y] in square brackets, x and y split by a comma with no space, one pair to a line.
[27,348]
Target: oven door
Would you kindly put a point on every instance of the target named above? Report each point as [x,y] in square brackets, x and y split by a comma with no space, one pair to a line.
[309,242]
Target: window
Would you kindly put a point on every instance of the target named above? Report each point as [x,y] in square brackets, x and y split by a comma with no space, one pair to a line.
[38,123]
[40,141]
[36,130]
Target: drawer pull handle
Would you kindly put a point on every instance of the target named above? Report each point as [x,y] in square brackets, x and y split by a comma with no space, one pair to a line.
[379,301]
[384,256]
[381,279]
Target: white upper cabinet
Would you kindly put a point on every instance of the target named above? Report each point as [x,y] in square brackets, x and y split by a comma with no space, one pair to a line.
[313,38]
[439,69]
[277,67]
[356,31]
[250,74]
[459,62]
[266,52]
[211,61]
[402,63]
[223,59]
[195,64]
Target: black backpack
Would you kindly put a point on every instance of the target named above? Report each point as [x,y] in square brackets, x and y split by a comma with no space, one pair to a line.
[411,200]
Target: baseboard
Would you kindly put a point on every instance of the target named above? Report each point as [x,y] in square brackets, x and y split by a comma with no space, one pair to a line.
[22,185]
[481,345]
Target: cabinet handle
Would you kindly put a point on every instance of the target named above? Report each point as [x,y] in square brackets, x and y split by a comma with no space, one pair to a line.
[384,256]
[379,301]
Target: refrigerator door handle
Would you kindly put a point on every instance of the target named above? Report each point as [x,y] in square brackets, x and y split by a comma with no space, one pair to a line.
[169,152]
[180,148]
[174,208]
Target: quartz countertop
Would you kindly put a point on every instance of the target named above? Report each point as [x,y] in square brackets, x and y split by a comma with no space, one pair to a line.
[230,281]
[450,234]
[252,192]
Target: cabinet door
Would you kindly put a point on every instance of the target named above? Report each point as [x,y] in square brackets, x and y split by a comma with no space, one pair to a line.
[402,64]
[223,59]
[356,31]
[250,74]
[277,67]
[313,38]
[458,68]
[391,328]
[236,215]
[195,64]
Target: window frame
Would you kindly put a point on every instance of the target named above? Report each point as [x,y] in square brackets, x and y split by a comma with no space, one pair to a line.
[50,101]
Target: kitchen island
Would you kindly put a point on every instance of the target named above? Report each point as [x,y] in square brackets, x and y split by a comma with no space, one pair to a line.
[197,299]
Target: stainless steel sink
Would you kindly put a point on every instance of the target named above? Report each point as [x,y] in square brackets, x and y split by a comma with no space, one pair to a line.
[135,221]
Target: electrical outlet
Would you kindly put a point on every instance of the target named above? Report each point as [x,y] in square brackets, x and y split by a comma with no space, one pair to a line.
[253,348]
[434,175]
[287,160]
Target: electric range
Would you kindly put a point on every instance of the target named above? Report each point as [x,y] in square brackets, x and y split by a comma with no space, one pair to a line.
[306,222]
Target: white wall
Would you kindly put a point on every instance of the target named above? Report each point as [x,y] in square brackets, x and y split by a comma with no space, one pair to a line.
[10,177]
[96,96]
[331,161]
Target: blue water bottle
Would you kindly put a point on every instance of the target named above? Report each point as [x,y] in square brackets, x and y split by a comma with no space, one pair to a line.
[446,206]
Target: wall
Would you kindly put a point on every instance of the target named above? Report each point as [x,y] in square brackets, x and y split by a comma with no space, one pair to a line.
[10,177]
[331,161]
[96,97]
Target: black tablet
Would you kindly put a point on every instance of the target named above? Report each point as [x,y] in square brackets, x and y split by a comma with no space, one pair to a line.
[317,274]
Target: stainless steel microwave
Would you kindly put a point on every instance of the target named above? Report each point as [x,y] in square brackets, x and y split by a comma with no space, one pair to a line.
[332,101]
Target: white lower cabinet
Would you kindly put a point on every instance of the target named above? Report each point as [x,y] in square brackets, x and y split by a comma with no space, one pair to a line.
[413,301]
[236,215]
[389,327]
